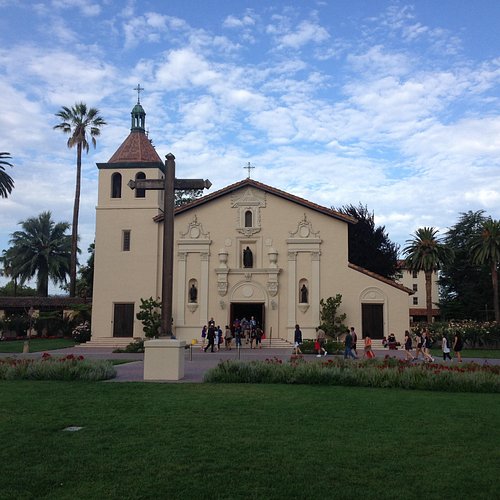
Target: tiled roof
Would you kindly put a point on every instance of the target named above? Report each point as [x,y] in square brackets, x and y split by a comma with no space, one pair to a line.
[380,278]
[136,148]
[40,302]
[421,311]
[268,189]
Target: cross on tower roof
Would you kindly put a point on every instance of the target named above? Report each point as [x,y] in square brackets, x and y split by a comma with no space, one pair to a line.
[139,90]
[248,167]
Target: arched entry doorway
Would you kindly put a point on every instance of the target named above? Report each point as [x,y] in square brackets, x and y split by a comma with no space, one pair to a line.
[247,310]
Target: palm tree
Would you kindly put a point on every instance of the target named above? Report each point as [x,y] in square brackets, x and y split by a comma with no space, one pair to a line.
[425,252]
[78,121]
[6,181]
[41,249]
[486,250]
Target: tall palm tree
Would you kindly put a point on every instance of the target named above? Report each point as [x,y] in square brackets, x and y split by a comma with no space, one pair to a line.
[78,121]
[425,252]
[7,271]
[486,250]
[6,181]
[42,250]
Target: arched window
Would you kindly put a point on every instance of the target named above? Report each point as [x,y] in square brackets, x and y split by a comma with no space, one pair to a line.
[248,218]
[140,193]
[116,185]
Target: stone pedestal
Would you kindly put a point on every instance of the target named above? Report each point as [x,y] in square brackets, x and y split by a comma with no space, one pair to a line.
[164,359]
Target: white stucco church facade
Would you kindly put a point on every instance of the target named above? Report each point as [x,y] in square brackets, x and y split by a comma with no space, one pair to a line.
[248,249]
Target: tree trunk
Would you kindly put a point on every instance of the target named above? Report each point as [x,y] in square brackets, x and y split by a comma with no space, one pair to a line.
[494,280]
[428,295]
[74,227]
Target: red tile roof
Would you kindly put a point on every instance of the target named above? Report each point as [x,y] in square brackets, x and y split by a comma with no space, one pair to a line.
[136,148]
[380,278]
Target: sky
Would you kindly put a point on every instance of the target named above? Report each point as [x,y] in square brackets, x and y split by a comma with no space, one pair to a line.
[391,104]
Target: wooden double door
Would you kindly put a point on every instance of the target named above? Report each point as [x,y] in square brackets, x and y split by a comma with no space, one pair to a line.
[373,320]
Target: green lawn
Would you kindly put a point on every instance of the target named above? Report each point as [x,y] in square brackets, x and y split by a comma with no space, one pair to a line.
[36,345]
[146,440]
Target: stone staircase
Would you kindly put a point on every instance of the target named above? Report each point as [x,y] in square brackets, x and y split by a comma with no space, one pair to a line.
[122,342]
[109,342]
[274,343]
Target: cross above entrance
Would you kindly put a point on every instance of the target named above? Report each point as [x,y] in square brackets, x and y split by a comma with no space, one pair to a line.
[248,167]
[169,184]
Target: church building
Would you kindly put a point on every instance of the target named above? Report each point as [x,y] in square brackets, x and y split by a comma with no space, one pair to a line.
[245,250]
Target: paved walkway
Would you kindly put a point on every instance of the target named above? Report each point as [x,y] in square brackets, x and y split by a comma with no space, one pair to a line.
[197,362]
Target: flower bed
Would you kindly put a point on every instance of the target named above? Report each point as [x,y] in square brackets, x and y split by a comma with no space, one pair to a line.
[387,372]
[47,367]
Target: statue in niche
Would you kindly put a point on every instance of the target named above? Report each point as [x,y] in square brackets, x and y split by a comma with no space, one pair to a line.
[247,257]
[304,294]
[193,294]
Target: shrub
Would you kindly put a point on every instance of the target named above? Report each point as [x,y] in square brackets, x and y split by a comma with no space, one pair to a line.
[81,333]
[473,333]
[150,316]
[56,368]
[388,372]
[136,346]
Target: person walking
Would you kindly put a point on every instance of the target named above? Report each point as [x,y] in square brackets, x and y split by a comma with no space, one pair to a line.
[458,346]
[368,348]
[348,346]
[203,336]
[445,348]
[408,346]
[297,340]
[426,348]
[210,338]
[420,344]
[228,337]
[320,339]
[354,336]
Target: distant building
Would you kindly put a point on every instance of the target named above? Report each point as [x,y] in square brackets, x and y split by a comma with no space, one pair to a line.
[415,280]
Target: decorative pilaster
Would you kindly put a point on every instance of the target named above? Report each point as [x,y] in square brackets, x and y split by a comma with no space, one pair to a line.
[181,287]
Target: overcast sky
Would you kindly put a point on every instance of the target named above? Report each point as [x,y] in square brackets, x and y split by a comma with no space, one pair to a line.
[391,104]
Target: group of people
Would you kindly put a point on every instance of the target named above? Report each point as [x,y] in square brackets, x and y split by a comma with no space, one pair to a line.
[424,343]
[248,330]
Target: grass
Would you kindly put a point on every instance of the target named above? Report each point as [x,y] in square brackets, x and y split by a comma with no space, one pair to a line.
[36,345]
[245,441]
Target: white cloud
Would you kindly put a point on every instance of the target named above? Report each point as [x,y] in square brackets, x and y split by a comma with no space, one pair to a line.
[306,32]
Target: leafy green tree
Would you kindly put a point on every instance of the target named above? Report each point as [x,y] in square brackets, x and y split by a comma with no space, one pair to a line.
[464,286]
[11,289]
[331,321]
[85,281]
[79,122]
[42,250]
[150,315]
[6,181]
[486,250]
[369,245]
[425,252]
[186,196]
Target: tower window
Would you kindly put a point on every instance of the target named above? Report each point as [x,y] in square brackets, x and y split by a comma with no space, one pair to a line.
[248,218]
[126,240]
[415,287]
[116,185]
[415,301]
[415,274]
[140,193]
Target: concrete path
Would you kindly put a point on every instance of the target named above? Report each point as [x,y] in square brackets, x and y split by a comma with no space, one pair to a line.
[198,362]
